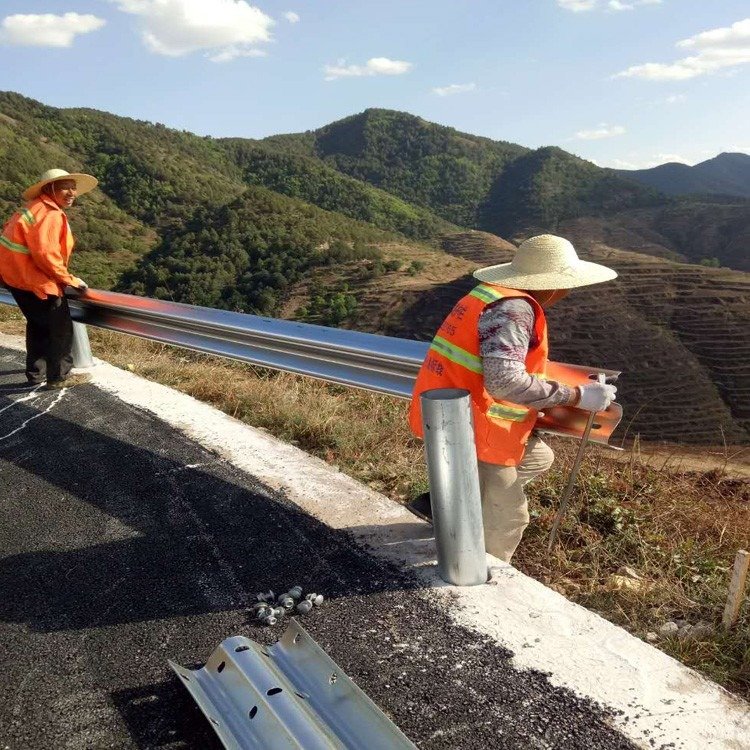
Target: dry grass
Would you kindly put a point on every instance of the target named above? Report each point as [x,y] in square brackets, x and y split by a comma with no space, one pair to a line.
[678,532]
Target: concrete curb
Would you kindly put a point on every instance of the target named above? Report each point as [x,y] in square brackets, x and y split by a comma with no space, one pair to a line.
[656,699]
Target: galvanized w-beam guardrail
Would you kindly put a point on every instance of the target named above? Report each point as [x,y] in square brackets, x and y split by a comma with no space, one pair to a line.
[363,360]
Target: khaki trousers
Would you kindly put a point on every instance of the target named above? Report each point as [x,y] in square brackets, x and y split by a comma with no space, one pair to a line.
[504,507]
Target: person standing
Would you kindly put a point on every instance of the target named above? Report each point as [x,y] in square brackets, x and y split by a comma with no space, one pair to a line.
[494,344]
[35,249]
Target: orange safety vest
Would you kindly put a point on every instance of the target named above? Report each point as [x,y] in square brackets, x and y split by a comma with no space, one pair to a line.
[35,248]
[501,428]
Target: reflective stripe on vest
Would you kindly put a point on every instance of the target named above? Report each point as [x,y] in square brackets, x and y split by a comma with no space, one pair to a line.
[13,246]
[457,354]
[511,413]
[27,216]
[485,293]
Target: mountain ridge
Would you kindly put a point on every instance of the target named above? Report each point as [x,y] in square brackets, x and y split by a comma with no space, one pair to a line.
[728,174]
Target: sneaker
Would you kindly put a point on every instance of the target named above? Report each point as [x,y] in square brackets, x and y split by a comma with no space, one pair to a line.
[421,506]
[69,382]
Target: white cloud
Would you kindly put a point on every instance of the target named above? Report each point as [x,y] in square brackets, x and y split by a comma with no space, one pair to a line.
[739,149]
[634,162]
[668,158]
[291,16]
[226,28]
[454,88]
[676,98]
[375,66]
[579,6]
[603,131]
[47,30]
[231,53]
[621,164]
[716,49]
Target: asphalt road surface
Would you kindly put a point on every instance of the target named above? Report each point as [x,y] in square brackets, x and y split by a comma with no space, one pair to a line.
[123,544]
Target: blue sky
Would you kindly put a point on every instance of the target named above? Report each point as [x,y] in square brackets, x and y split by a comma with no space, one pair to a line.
[626,83]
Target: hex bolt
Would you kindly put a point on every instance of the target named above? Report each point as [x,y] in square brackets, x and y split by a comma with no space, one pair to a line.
[280,598]
[269,620]
[263,613]
[310,597]
[287,602]
[295,592]
[304,607]
[318,600]
[279,611]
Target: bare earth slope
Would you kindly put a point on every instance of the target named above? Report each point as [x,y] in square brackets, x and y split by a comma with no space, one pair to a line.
[717,233]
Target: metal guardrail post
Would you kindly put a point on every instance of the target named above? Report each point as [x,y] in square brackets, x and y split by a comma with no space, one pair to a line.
[81,347]
[454,486]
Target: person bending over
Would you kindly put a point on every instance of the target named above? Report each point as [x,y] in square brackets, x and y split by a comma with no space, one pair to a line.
[494,344]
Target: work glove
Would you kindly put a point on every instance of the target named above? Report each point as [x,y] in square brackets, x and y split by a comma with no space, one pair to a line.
[79,284]
[596,396]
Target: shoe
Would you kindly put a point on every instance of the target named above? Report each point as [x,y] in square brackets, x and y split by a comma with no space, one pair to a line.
[69,382]
[421,506]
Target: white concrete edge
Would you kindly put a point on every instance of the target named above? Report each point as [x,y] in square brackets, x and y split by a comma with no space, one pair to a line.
[662,700]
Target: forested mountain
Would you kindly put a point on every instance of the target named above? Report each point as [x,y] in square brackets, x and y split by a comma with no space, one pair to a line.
[298,176]
[725,174]
[423,163]
[471,181]
[243,255]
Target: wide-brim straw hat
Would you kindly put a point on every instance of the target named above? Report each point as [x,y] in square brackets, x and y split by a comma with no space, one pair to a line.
[545,262]
[84,182]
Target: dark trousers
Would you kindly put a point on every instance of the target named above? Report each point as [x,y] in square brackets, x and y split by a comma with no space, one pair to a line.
[49,336]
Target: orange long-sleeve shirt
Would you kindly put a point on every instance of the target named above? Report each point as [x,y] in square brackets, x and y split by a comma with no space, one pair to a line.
[35,249]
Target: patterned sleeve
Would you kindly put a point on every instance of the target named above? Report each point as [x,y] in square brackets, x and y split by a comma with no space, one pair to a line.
[506,330]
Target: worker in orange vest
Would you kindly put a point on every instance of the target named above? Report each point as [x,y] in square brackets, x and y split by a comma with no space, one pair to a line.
[494,345]
[35,249]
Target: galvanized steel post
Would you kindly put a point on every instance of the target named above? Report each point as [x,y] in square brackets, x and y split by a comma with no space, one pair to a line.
[81,347]
[454,486]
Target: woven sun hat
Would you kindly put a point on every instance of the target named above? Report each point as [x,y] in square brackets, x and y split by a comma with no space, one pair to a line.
[84,182]
[545,262]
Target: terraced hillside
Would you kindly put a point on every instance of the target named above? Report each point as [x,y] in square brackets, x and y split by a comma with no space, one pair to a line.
[710,233]
[677,331]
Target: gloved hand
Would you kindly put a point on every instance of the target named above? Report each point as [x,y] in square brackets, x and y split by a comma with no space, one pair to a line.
[596,396]
[79,284]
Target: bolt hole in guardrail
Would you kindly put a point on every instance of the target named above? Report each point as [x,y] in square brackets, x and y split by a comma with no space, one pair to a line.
[214,721]
[296,638]
[304,696]
[253,711]
[242,648]
[221,666]
[274,691]
[332,679]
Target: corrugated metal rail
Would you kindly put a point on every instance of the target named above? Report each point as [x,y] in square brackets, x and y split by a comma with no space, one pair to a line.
[383,364]
[288,696]
[363,360]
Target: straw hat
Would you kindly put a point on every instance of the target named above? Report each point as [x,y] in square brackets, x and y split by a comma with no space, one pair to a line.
[84,182]
[545,262]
